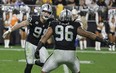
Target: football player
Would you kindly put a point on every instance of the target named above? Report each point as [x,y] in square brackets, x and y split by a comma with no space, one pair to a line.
[64,32]
[37,27]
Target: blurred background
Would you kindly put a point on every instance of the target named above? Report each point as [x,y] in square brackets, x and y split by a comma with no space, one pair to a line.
[91,10]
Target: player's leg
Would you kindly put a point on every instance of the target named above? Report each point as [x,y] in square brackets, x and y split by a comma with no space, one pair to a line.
[43,56]
[74,66]
[68,58]
[65,68]
[28,68]
[55,60]
[29,51]
[50,64]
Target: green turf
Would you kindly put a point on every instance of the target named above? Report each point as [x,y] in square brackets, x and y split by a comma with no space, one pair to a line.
[100,62]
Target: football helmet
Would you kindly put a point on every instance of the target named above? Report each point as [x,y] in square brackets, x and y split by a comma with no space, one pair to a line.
[46,8]
[65,15]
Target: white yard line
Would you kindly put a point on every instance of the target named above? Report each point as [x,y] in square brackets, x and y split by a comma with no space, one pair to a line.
[78,51]
[12,49]
[23,60]
[83,51]
[102,52]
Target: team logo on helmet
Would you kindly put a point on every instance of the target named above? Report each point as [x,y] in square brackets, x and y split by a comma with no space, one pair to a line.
[65,15]
[46,8]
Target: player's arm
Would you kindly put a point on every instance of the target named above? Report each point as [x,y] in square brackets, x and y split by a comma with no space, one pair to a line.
[47,35]
[92,36]
[15,27]
[85,33]
[49,41]
[19,25]
[43,40]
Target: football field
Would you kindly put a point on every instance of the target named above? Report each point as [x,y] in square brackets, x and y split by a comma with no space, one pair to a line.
[12,60]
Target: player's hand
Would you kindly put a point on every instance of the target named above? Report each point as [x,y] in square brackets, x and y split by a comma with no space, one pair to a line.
[107,42]
[40,44]
[37,54]
[6,33]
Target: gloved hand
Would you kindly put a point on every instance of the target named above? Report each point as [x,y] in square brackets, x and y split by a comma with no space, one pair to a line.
[6,33]
[107,42]
[40,44]
[37,54]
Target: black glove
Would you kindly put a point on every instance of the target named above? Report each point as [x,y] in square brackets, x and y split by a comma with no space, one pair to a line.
[37,54]
[40,44]
[107,42]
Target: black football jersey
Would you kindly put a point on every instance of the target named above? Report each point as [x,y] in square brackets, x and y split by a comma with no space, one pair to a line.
[64,34]
[36,29]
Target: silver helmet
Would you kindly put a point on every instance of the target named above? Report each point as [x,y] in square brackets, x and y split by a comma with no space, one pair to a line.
[65,15]
[46,8]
